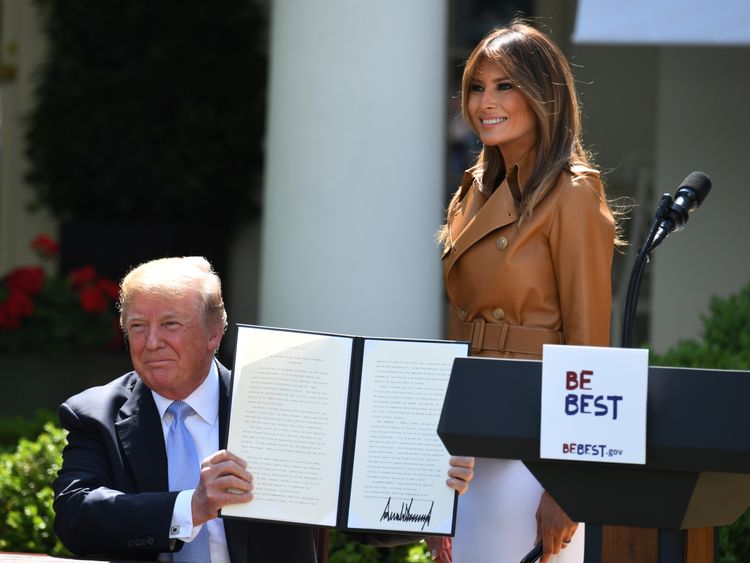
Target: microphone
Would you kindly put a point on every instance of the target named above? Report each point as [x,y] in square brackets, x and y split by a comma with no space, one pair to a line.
[687,199]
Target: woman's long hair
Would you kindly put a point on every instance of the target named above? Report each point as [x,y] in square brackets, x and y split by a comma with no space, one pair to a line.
[539,69]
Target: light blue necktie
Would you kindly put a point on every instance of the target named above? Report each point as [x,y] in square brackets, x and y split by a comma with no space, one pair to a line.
[184,472]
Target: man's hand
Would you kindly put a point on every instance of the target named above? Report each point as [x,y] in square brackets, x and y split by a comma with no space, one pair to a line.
[553,527]
[460,473]
[224,480]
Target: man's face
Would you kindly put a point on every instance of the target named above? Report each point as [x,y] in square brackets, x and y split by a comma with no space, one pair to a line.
[169,346]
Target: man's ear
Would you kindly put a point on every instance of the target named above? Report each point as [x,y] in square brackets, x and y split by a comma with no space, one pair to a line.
[214,337]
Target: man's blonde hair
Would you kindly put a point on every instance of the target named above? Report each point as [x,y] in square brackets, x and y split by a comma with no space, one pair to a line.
[173,277]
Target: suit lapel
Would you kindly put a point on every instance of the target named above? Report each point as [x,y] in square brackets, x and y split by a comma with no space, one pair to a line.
[140,433]
[236,531]
[225,385]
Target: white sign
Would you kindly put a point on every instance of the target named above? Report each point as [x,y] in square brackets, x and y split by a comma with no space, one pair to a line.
[594,404]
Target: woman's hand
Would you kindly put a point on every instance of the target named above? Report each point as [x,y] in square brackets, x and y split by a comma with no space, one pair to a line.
[460,473]
[553,527]
[441,548]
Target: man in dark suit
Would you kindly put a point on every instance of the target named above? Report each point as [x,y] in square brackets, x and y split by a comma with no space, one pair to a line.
[112,494]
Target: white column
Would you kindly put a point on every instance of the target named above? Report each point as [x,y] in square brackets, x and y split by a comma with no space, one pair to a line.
[22,50]
[354,169]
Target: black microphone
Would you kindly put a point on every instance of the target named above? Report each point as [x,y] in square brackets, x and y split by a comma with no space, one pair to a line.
[687,198]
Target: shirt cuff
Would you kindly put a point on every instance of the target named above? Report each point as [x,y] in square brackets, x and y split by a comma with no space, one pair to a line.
[181,527]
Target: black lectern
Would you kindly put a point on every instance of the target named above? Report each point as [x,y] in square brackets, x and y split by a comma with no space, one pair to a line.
[697,471]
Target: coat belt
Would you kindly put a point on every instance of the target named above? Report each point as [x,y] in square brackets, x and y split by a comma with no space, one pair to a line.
[497,337]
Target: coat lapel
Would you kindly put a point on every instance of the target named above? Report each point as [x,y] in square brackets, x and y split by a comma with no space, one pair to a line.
[497,212]
[140,433]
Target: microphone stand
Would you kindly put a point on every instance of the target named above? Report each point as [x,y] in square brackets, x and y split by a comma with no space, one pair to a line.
[642,258]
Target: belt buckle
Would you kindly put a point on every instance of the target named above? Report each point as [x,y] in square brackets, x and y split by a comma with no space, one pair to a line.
[477,335]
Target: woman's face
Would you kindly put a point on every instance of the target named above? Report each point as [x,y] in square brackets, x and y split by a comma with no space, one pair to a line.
[500,113]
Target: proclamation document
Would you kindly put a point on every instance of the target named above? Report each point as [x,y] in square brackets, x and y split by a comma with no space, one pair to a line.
[341,431]
[400,463]
[287,417]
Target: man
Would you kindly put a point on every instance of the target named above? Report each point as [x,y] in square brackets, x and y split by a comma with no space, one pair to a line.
[115,494]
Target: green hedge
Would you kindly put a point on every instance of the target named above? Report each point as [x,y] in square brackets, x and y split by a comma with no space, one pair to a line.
[726,337]
[26,496]
[343,549]
[725,345]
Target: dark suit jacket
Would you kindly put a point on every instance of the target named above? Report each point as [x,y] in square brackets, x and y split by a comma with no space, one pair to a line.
[111,495]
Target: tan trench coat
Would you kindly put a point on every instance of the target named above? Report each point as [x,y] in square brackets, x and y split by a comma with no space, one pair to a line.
[514,287]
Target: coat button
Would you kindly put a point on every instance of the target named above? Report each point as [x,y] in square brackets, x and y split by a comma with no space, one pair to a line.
[498,313]
[502,243]
[461,313]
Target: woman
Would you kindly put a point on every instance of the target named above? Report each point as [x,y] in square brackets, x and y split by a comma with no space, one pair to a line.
[527,255]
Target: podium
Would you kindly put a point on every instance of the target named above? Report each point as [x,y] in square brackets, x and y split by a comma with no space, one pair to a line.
[697,471]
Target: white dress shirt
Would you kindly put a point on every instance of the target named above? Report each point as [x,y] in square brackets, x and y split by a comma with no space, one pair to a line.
[203,426]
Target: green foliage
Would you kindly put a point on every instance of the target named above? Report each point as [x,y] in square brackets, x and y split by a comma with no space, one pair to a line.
[26,496]
[343,549]
[12,429]
[146,111]
[725,345]
[726,337]
[734,541]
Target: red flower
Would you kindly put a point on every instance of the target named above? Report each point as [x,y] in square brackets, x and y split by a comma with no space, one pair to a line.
[26,279]
[48,313]
[8,319]
[16,306]
[93,300]
[20,303]
[45,246]
[109,288]
[81,277]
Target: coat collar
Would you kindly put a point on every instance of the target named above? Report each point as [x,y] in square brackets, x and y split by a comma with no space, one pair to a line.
[501,208]
[498,211]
